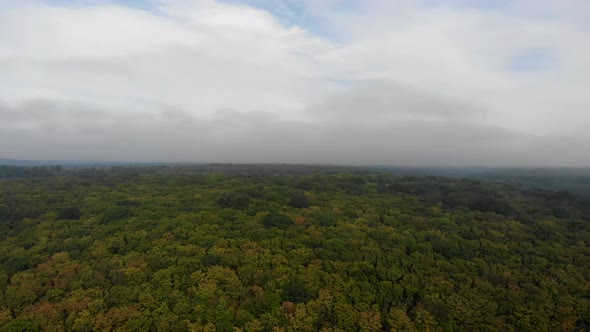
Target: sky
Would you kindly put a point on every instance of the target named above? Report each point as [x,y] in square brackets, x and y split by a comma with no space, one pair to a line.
[464,83]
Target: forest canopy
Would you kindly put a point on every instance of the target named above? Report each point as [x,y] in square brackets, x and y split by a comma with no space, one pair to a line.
[265,248]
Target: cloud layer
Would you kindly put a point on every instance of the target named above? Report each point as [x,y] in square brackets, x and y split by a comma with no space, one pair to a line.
[402,82]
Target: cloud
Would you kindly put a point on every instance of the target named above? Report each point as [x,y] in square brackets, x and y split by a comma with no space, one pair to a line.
[408,82]
[66,131]
[199,55]
[378,100]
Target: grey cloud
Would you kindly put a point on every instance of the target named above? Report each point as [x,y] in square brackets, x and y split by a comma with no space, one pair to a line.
[386,98]
[117,66]
[66,131]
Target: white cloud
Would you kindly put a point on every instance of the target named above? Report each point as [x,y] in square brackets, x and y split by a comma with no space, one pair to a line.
[202,58]
[426,71]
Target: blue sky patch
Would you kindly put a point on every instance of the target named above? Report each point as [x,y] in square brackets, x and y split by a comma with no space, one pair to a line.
[293,12]
[477,4]
[533,60]
[143,4]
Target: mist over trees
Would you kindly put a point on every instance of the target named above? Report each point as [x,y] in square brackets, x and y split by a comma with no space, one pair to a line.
[12,172]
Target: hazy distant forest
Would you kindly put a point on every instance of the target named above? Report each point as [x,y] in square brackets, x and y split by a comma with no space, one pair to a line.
[290,248]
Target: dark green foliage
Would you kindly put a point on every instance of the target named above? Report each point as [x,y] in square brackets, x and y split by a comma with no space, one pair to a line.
[325,219]
[278,220]
[453,194]
[70,213]
[21,325]
[114,214]
[22,212]
[298,200]
[128,202]
[210,259]
[296,291]
[16,263]
[234,200]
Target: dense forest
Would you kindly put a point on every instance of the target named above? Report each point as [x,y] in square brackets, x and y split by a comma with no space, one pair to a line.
[280,248]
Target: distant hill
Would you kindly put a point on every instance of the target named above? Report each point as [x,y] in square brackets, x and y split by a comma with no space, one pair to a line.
[21,162]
